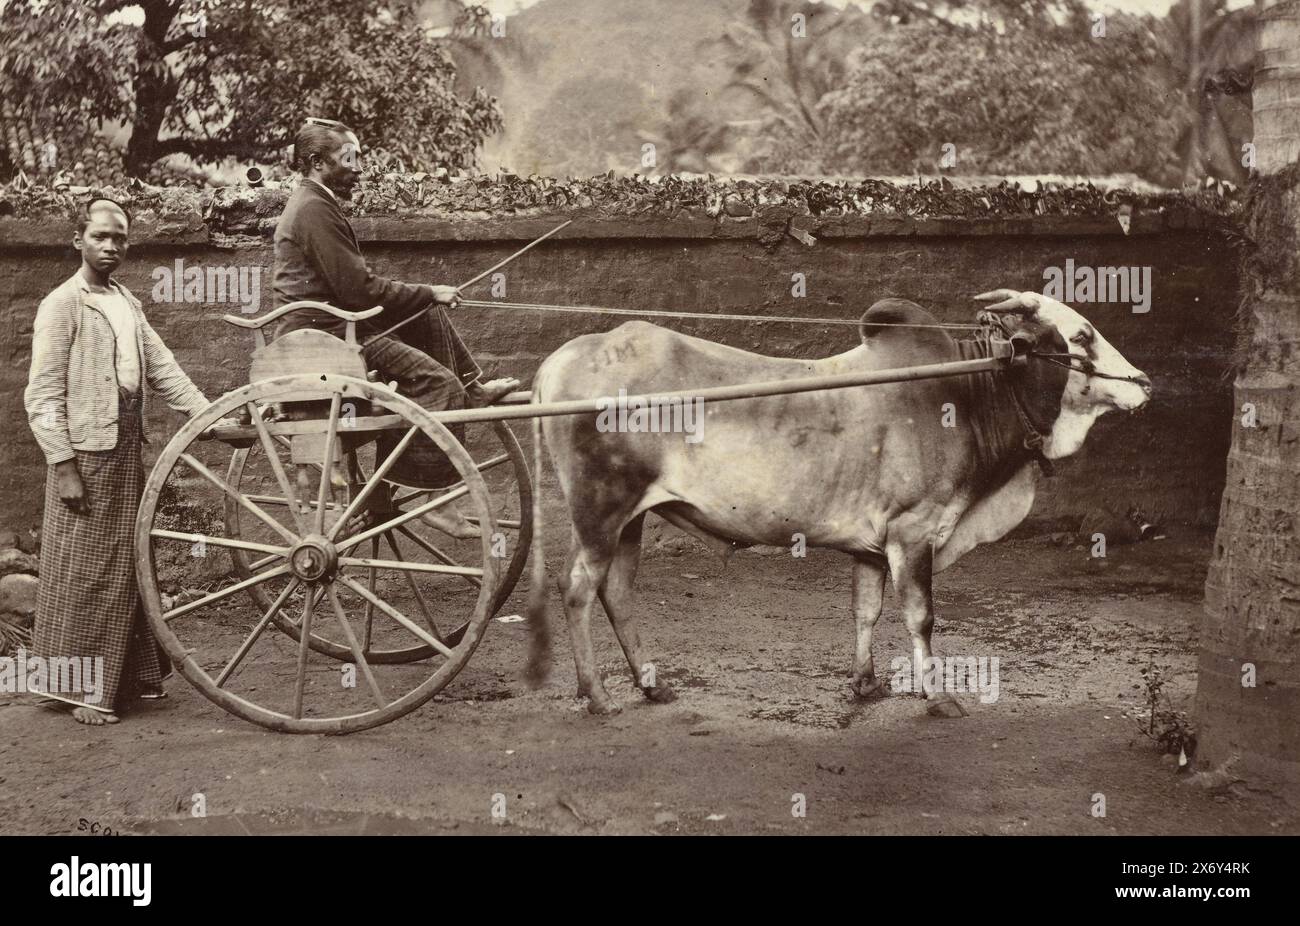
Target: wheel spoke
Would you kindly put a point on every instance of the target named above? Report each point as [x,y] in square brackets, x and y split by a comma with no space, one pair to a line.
[356,650]
[402,518]
[224,593]
[238,497]
[273,457]
[354,468]
[408,566]
[395,615]
[481,467]
[415,589]
[259,563]
[221,542]
[281,501]
[327,466]
[370,583]
[308,607]
[374,480]
[316,597]
[257,632]
[435,552]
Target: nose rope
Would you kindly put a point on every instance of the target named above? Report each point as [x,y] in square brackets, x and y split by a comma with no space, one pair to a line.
[1086,366]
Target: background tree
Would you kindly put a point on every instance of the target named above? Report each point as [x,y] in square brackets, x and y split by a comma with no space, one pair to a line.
[691,140]
[1211,55]
[784,56]
[219,78]
[1248,682]
[1016,87]
[485,51]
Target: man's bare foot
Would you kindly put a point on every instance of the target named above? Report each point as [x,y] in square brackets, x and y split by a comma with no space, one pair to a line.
[151,693]
[450,521]
[87,715]
[481,394]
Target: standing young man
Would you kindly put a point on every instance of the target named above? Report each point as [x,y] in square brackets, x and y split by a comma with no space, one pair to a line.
[93,352]
[317,258]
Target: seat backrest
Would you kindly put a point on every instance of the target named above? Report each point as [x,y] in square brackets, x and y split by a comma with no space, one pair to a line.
[306,351]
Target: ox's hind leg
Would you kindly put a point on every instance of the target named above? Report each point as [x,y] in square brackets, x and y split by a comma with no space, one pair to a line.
[583,575]
[868,596]
[913,570]
[616,596]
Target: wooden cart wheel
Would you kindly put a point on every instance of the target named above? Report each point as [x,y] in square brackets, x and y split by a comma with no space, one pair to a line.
[498,457]
[314,571]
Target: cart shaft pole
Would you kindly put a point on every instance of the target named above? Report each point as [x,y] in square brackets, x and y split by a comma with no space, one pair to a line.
[730,393]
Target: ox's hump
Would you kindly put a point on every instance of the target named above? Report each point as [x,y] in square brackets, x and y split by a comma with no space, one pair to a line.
[903,327]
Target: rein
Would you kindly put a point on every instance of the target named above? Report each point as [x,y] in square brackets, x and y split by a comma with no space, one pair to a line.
[784,319]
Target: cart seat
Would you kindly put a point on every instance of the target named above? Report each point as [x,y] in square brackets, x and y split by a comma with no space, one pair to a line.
[306,350]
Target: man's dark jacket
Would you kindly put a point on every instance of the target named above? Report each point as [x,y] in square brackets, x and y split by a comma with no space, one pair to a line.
[317,257]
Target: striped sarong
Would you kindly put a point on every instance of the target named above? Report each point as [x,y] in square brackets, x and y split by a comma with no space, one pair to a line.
[88,604]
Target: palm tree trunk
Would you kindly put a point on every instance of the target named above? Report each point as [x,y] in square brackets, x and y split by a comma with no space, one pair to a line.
[1248,688]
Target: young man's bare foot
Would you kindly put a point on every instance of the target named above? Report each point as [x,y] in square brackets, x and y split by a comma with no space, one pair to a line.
[450,521]
[481,394]
[87,715]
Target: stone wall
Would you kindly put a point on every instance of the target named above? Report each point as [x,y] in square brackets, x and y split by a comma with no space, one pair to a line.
[1169,460]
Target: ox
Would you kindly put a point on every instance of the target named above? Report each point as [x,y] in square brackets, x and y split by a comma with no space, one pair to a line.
[903,477]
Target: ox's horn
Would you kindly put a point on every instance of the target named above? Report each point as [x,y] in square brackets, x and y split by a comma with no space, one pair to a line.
[1012,301]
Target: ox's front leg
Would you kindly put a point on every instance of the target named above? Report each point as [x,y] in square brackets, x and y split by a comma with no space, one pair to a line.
[868,596]
[582,577]
[913,570]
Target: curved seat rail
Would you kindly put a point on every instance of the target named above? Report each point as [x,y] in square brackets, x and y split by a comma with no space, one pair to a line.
[256,324]
[302,304]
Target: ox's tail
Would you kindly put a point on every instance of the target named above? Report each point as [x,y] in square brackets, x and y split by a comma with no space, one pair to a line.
[539,626]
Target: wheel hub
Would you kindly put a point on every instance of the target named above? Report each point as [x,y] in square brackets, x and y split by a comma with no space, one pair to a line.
[314,559]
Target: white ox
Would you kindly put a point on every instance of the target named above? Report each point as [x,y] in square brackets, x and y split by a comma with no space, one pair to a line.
[874,471]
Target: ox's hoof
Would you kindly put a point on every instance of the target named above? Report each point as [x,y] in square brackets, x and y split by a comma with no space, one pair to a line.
[603,706]
[864,688]
[659,694]
[945,706]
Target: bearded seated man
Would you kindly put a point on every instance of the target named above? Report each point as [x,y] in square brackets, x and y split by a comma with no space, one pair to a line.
[317,258]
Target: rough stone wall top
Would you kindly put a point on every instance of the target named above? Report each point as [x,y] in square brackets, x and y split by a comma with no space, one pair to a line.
[484,208]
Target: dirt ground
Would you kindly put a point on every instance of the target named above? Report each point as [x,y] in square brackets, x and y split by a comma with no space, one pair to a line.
[758,652]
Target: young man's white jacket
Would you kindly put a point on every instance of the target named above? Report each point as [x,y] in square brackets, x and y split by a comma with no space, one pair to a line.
[71,396]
